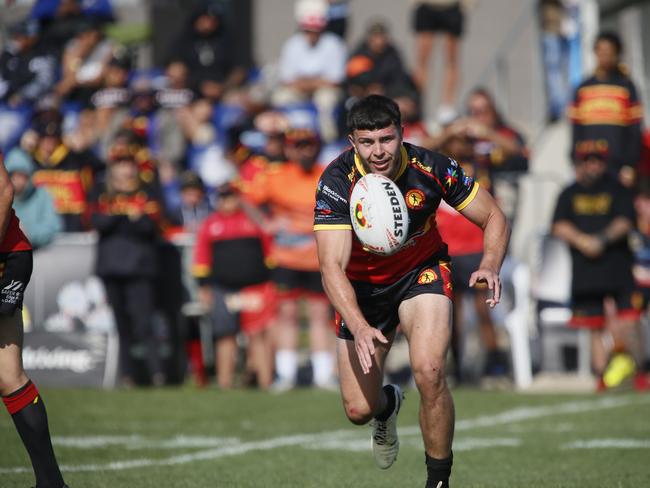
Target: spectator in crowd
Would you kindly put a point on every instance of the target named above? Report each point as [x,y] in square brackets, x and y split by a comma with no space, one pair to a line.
[431,17]
[293,255]
[126,215]
[34,206]
[594,216]
[195,205]
[465,242]
[206,48]
[66,174]
[555,53]
[312,66]
[497,146]
[235,287]
[85,62]
[606,106]
[376,65]
[27,72]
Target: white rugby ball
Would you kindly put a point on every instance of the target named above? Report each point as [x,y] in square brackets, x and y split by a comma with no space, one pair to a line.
[379,214]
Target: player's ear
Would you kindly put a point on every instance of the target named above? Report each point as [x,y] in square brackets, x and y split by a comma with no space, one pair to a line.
[351,140]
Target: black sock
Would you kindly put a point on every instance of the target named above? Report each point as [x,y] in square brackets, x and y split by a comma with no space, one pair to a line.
[389,391]
[438,470]
[28,412]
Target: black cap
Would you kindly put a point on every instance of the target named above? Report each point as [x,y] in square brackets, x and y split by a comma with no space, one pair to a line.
[189,179]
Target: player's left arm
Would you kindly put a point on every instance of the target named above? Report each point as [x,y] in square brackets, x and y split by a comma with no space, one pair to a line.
[6,198]
[484,212]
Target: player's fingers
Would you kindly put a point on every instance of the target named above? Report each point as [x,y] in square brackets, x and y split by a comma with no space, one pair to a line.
[472,279]
[381,337]
[497,290]
[362,360]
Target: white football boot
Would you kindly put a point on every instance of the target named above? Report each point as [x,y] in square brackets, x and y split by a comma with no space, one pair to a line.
[385,444]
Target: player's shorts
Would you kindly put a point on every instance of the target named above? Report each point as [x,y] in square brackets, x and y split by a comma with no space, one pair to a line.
[292,283]
[249,310]
[589,310]
[379,303]
[15,272]
[428,18]
[462,269]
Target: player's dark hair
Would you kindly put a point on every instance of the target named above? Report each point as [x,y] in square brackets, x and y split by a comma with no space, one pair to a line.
[374,112]
[613,38]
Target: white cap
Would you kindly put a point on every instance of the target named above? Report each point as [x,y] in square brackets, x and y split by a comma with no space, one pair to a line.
[311,14]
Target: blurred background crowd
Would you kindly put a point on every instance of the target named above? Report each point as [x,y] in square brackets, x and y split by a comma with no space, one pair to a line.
[166,145]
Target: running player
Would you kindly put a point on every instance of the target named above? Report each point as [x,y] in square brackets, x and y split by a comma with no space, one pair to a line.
[19,394]
[412,288]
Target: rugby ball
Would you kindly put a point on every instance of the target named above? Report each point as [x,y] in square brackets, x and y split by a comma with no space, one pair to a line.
[379,214]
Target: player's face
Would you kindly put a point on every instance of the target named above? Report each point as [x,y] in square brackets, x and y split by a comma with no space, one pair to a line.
[379,150]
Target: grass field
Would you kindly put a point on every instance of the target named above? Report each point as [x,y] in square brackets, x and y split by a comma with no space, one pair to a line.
[192,438]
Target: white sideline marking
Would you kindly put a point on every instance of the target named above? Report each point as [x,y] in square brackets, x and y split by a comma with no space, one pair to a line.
[323,438]
[609,444]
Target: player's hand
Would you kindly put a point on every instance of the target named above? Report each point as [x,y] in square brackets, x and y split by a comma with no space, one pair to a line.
[491,279]
[364,344]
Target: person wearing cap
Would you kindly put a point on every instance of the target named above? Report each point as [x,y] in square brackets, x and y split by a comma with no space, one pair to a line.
[34,206]
[312,66]
[594,216]
[66,174]
[234,285]
[606,106]
[126,214]
[194,203]
[287,190]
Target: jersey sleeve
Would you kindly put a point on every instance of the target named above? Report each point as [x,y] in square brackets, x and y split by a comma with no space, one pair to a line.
[563,208]
[332,206]
[458,189]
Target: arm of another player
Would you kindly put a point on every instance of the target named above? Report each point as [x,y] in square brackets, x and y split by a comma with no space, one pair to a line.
[485,213]
[334,248]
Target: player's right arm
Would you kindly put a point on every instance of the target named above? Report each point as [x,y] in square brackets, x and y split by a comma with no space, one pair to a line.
[334,248]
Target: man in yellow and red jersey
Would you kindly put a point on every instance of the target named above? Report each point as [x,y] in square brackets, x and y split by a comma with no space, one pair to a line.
[287,190]
[374,294]
[19,394]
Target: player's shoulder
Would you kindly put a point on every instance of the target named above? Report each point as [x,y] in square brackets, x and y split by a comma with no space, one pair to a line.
[427,161]
[341,168]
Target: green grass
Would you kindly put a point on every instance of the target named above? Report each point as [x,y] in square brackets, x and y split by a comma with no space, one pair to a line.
[243,439]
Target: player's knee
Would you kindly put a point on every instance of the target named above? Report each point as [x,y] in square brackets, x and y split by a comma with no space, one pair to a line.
[429,376]
[358,414]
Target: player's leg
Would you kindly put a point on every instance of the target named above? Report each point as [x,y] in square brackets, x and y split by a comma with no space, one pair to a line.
[426,322]
[24,403]
[629,305]
[362,394]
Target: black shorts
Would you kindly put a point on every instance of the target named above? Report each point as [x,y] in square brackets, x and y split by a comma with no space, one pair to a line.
[380,303]
[589,310]
[462,269]
[294,282]
[15,272]
[427,18]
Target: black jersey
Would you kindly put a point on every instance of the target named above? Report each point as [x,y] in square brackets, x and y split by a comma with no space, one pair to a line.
[424,178]
[591,209]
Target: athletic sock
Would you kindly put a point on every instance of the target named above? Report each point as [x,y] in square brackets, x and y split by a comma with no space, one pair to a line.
[389,391]
[438,471]
[28,412]
[286,365]
[322,364]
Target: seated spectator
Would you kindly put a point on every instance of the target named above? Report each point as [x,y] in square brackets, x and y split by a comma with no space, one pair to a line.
[27,72]
[312,66]
[208,52]
[235,286]
[66,174]
[126,215]
[376,66]
[34,206]
[85,62]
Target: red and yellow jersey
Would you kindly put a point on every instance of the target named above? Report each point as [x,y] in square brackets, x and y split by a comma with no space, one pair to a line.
[606,107]
[15,239]
[287,190]
[424,178]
